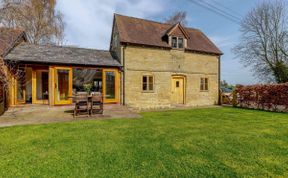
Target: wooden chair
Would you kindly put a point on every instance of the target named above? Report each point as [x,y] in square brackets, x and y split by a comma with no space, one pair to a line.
[81,104]
[96,105]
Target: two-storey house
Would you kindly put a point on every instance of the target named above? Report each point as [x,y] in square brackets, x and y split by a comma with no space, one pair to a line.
[165,65]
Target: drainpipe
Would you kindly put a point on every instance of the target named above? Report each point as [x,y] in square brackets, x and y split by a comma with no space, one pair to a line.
[219,81]
[123,74]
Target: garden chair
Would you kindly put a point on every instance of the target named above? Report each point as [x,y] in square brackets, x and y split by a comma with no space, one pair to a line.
[96,105]
[81,104]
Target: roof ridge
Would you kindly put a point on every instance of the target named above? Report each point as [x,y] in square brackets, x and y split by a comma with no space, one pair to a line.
[153,21]
[63,46]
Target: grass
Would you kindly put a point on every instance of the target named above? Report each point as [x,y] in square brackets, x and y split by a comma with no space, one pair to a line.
[218,142]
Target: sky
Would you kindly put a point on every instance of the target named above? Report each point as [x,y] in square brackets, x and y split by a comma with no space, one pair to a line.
[89,24]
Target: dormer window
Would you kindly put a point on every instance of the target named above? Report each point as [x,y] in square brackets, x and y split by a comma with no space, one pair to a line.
[177,42]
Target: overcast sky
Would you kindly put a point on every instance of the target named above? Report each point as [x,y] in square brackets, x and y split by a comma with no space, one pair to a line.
[89,24]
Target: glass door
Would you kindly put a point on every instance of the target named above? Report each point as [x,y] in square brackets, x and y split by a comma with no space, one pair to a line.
[110,85]
[63,85]
[39,90]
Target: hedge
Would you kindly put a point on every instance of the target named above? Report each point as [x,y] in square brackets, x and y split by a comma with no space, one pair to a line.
[272,97]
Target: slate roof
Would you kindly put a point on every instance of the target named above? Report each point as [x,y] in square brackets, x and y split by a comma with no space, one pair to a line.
[8,38]
[49,54]
[145,32]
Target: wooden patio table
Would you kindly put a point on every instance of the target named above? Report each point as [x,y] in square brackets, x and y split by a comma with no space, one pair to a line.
[74,96]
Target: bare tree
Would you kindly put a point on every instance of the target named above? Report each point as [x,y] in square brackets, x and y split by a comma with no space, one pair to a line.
[177,17]
[9,70]
[263,44]
[41,22]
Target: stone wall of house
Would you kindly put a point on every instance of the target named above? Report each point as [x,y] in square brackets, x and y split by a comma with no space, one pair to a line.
[162,64]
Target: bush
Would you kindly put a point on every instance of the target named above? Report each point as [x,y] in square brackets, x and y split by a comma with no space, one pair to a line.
[267,97]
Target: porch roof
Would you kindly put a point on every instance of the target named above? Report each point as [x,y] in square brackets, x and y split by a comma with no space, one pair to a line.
[49,54]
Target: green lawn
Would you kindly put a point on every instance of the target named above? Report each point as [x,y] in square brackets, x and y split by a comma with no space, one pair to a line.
[218,142]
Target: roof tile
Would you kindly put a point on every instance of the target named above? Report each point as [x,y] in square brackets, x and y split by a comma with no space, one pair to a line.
[145,32]
[49,54]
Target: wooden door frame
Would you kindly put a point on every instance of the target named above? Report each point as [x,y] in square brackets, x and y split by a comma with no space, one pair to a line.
[184,85]
[117,84]
[70,85]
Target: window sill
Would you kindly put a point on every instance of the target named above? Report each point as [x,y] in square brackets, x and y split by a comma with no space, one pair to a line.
[204,90]
[148,91]
[178,49]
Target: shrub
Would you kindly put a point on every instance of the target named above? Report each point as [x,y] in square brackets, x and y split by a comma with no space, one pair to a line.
[267,97]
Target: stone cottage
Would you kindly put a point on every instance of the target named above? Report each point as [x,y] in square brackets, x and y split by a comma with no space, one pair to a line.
[165,65]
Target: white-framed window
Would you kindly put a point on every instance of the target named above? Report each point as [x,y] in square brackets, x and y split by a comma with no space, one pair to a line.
[147,83]
[204,84]
[177,42]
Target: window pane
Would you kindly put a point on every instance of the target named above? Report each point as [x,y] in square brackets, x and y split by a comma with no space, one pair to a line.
[177,84]
[202,84]
[174,42]
[144,83]
[144,87]
[20,89]
[41,85]
[150,83]
[63,84]
[110,85]
[144,79]
[90,78]
[150,80]
[180,42]
[21,84]
[151,87]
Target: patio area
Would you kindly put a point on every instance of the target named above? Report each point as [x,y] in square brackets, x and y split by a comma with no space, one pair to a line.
[39,114]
